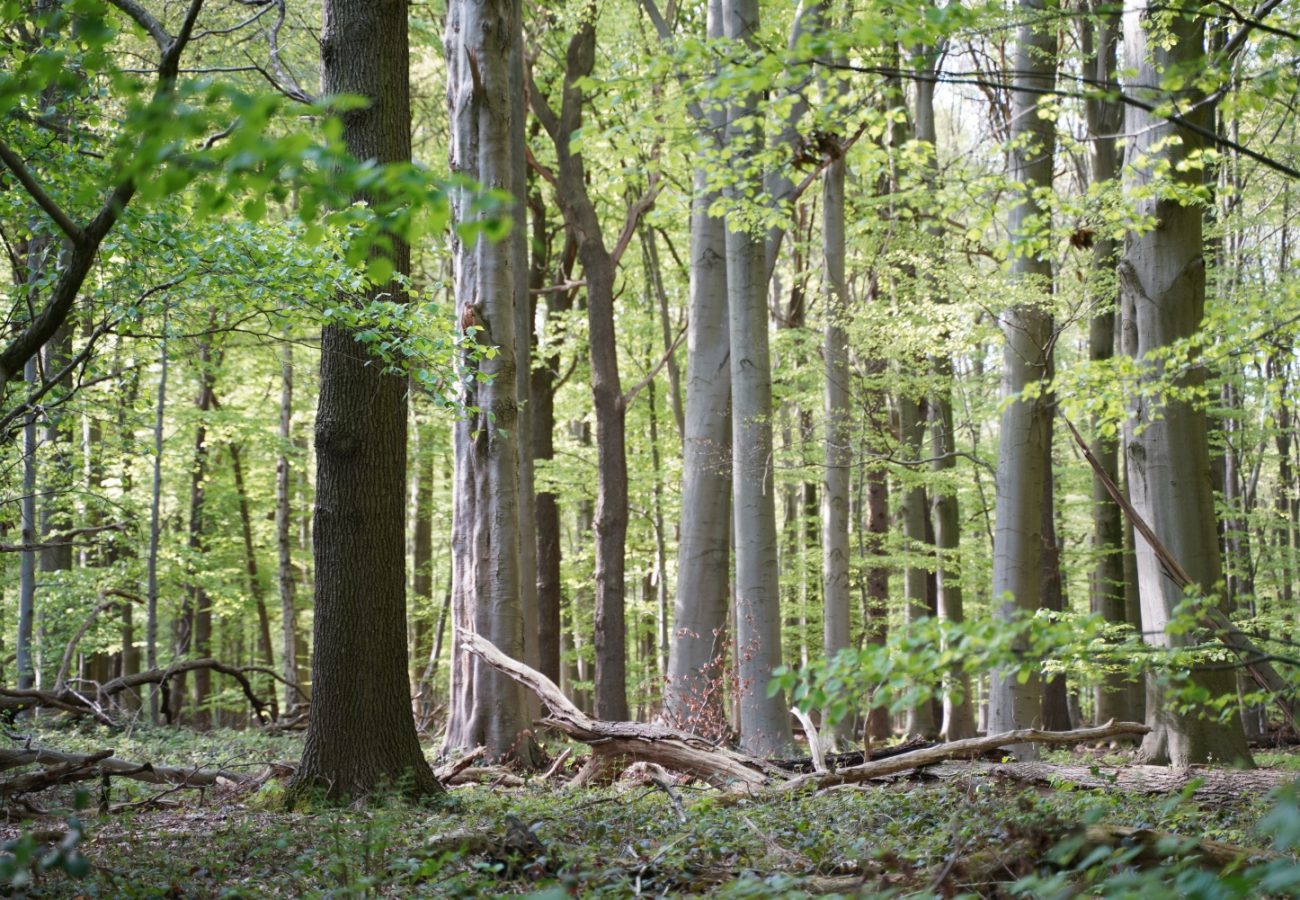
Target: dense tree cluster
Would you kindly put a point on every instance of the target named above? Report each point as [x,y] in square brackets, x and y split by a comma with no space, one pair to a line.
[927,366]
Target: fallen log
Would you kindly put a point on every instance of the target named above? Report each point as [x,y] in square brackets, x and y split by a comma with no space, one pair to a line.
[635,741]
[1207,785]
[684,752]
[67,700]
[112,765]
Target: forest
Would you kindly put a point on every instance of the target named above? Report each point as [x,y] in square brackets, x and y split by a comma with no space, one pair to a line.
[739,448]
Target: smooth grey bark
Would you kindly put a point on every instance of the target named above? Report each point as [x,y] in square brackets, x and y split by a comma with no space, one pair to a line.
[655,276]
[838,454]
[958,720]
[284,535]
[1117,694]
[1027,326]
[361,736]
[193,627]
[485,707]
[1162,284]
[694,694]
[523,363]
[764,720]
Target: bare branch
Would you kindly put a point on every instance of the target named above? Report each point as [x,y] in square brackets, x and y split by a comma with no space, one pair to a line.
[631,395]
[145,20]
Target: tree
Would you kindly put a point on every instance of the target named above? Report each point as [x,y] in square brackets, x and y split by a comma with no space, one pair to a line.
[1162,284]
[361,737]
[764,720]
[1024,433]
[486,707]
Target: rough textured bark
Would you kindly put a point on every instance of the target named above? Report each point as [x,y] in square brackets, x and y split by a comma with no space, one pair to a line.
[1023,433]
[600,267]
[1117,695]
[361,735]
[764,720]
[1162,283]
[485,708]
[694,693]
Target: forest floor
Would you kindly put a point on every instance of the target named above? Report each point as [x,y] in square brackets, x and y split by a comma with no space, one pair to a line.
[911,835]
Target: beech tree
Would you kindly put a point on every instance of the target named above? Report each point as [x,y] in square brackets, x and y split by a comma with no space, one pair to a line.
[1162,284]
[1024,430]
[486,707]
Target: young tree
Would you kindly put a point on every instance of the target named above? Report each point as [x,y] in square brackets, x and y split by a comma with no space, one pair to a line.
[362,735]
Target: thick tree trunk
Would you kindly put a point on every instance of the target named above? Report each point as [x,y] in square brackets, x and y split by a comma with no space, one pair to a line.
[485,707]
[1162,283]
[696,660]
[361,734]
[764,719]
[1024,431]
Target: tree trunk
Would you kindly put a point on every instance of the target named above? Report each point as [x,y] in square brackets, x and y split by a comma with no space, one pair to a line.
[764,720]
[1162,283]
[838,456]
[1117,693]
[155,526]
[485,707]
[194,626]
[284,534]
[1024,435]
[911,426]
[599,267]
[694,694]
[264,646]
[361,734]
[28,529]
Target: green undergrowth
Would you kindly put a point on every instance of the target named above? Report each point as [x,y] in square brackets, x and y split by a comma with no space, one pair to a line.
[965,835]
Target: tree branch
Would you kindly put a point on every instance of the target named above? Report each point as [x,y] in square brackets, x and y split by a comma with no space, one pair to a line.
[37,193]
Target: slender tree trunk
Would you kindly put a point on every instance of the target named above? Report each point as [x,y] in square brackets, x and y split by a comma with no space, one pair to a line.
[920,719]
[255,589]
[155,527]
[1162,283]
[284,533]
[764,719]
[1117,694]
[1024,431]
[28,558]
[599,267]
[696,669]
[194,626]
[1056,704]
[486,707]
[361,734]
[838,457]
[422,578]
